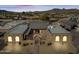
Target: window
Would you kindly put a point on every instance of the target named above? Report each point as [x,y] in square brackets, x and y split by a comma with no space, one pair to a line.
[17,38]
[57,39]
[9,39]
[64,38]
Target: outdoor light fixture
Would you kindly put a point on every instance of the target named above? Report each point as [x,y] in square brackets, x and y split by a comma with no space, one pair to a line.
[17,38]
[9,39]
[57,38]
[64,38]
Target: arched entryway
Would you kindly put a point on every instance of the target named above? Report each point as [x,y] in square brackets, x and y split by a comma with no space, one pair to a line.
[37,39]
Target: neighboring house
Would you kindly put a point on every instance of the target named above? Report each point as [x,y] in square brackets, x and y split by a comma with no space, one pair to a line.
[69,24]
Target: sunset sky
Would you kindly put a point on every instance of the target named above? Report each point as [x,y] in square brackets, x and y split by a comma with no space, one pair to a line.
[20,8]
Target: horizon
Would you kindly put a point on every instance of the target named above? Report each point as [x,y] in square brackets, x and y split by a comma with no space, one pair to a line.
[27,8]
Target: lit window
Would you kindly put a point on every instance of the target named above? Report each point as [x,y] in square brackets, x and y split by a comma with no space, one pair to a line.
[17,38]
[64,38]
[9,39]
[57,38]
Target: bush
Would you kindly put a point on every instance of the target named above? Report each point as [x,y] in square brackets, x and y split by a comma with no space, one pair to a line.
[49,44]
[25,44]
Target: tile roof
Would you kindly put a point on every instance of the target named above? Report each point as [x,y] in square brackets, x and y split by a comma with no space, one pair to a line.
[39,24]
[56,29]
[19,29]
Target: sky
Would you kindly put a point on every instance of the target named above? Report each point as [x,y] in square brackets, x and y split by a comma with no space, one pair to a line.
[21,8]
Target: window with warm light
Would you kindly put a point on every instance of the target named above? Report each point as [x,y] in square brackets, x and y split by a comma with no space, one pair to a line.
[9,39]
[17,38]
[64,38]
[57,39]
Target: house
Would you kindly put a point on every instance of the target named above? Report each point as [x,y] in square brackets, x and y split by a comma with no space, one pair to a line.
[43,34]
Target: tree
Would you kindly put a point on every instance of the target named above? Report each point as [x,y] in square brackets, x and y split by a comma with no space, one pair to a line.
[73,19]
[23,13]
[44,17]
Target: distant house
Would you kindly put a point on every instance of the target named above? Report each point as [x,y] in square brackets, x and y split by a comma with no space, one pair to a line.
[69,24]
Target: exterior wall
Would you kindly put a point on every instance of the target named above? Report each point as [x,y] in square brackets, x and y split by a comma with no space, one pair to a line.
[44,34]
[48,37]
[53,36]
[13,37]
